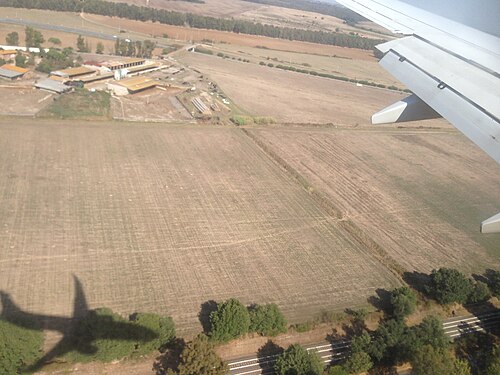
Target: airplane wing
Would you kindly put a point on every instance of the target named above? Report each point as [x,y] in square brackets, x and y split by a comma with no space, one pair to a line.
[452,69]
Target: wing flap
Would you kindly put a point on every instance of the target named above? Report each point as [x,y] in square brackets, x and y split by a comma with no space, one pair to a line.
[475,123]
[477,85]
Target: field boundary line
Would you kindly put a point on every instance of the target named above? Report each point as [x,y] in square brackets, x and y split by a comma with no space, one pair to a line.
[355,232]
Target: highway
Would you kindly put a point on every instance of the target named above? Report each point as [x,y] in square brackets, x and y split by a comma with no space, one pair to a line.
[338,350]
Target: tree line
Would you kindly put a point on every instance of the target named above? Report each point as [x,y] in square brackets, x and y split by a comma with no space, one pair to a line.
[141,13]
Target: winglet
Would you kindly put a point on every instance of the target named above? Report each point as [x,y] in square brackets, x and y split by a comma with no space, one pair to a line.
[491,225]
[411,108]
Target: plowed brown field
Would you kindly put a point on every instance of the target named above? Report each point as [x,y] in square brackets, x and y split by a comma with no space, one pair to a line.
[419,194]
[165,218]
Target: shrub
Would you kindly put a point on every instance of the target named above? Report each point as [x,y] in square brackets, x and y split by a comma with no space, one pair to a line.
[297,360]
[104,330]
[241,120]
[263,120]
[19,346]
[229,321]
[199,357]
[105,336]
[262,63]
[267,320]
[303,327]
[204,50]
[220,54]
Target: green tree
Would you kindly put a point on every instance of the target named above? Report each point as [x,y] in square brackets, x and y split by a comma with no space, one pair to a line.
[19,346]
[358,362]
[448,285]
[20,60]
[12,38]
[428,360]
[55,41]
[267,320]
[199,358]
[298,361]
[430,332]
[403,301]
[81,44]
[34,38]
[386,345]
[229,321]
[361,342]
[493,366]
[480,293]
[99,48]
[147,48]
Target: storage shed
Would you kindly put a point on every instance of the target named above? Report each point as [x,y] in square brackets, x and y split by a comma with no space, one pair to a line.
[52,86]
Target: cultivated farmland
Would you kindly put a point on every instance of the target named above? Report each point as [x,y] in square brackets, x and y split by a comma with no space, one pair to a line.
[419,193]
[164,218]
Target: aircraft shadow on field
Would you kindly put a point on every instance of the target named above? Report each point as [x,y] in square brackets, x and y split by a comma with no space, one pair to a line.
[71,340]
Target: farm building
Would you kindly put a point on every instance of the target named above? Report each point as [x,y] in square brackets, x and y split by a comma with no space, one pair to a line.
[12,72]
[8,54]
[94,78]
[72,72]
[131,85]
[52,85]
[128,63]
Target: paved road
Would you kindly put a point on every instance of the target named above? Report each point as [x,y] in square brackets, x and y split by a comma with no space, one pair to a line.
[338,350]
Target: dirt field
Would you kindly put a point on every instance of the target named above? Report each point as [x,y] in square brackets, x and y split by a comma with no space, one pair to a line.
[22,101]
[292,97]
[164,218]
[151,105]
[420,194]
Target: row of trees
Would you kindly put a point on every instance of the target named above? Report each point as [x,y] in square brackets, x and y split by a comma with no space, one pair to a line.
[125,47]
[196,21]
[34,38]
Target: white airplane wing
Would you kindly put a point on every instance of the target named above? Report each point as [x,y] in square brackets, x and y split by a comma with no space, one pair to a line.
[452,69]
